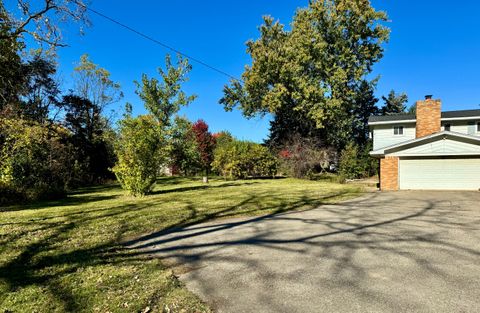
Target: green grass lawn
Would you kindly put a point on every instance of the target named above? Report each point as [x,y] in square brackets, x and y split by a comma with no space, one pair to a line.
[66,256]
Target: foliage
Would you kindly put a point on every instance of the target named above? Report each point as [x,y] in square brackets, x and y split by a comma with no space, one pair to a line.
[139,154]
[41,89]
[242,159]
[164,98]
[12,79]
[92,139]
[304,157]
[35,161]
[356,162]
[93,82]
[205,143]
[184,153]
[315,68]
[223,138]
[365,106]
[394,103]
[42,21]
[69,255]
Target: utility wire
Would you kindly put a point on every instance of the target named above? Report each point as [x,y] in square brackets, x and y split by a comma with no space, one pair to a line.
[158,42]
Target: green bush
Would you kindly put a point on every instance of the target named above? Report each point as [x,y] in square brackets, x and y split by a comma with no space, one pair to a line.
[139,154]
[356,162]
[35,162]
[242,159]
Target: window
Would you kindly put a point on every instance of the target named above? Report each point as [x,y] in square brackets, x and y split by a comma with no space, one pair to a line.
[398,130]
[478,127]
[447,127]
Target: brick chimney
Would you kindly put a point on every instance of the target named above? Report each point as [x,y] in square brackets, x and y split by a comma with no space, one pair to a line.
[429,115]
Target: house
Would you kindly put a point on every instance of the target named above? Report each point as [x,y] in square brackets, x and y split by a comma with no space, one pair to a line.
[429,150]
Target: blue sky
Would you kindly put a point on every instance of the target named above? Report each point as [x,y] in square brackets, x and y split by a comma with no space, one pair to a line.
[433,49]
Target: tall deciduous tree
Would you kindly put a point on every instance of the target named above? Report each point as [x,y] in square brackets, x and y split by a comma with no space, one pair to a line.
[315,68]
[93,82]
[165,97]
[42,89]
[394,103]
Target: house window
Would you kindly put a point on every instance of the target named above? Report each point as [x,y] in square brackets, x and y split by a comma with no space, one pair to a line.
[398,130]
[478,127]
[447,127]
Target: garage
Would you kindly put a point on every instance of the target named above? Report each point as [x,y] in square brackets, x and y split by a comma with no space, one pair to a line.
[444,173]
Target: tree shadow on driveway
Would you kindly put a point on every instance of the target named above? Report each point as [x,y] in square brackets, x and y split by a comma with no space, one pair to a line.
[384,252]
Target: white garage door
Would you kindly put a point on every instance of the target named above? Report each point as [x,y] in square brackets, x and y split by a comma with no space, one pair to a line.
[440,174]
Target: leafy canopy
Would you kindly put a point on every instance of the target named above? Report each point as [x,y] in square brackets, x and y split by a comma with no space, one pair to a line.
[165,97]
[314,68]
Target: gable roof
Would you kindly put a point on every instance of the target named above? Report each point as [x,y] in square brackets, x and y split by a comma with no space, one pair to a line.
[427,139]
[412,118]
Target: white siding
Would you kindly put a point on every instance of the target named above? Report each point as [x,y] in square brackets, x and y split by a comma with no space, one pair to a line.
[383,135]
[441,147]
[440,174]
[459,127]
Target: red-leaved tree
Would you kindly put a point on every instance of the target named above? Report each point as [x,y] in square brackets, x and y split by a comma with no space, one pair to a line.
[205,143]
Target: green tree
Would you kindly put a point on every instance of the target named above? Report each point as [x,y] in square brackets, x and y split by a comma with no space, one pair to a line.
[93,82]
[139,154]
[12,80]
[91,137]
[42,91]
[184,154]
[35,160]
[365,106]
[314,68]
[164,98]
[394,103]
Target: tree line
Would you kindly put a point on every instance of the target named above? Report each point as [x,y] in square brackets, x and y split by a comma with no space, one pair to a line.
[314,79]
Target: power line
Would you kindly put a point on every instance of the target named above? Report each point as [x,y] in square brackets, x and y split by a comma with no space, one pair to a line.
[158,42]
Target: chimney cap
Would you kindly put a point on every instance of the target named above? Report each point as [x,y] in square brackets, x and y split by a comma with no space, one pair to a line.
[428,97]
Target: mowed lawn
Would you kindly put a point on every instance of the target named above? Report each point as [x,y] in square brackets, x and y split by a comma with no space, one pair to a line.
[67,256]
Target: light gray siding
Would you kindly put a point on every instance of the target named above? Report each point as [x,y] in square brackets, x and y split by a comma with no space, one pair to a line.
[441,148]
[440,174]
[383,135]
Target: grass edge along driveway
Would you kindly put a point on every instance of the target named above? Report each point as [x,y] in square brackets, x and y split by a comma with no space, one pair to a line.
[66,256]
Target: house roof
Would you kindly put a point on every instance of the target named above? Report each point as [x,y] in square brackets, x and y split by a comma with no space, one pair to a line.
[418,141]
[411,117]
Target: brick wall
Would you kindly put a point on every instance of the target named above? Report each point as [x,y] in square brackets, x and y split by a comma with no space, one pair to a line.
[429,115]
[389,173]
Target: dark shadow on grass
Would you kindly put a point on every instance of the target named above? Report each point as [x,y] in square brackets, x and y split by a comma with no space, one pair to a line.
[69,200]
[201,187]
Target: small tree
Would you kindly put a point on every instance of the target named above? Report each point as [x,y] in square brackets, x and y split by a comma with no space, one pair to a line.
[139,154]
[143,146]
[184,154]
[355,162]
[205,144]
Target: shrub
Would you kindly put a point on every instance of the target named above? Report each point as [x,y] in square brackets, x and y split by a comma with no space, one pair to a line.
[35,161]
[356,162]
[304,157]
[241,159]
[139,154]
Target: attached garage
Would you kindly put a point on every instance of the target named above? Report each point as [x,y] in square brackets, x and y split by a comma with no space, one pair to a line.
[442,161]
[445,173]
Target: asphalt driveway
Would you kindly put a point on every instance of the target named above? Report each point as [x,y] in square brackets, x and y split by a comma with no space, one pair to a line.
[384,252]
